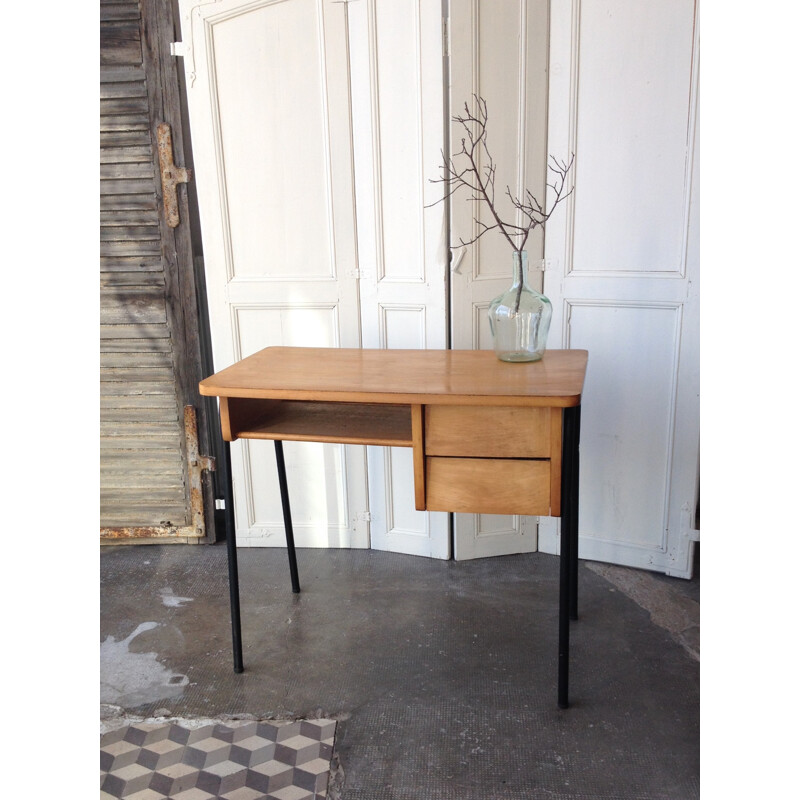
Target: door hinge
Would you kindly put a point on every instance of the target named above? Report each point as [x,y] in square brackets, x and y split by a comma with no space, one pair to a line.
[687,524]
[359,274]
[177,49]
[364,516]
[445,37]
[171,175]
[197,464]
[455,263]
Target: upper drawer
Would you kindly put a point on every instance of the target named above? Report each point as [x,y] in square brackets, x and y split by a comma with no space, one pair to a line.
[496,432]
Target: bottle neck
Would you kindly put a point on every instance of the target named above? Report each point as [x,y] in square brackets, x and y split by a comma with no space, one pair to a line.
[520,261]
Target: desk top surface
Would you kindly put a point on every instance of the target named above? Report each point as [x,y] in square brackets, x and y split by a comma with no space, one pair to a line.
[475,377]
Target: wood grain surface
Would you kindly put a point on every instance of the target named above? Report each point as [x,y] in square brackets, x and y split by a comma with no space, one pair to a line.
[460,377]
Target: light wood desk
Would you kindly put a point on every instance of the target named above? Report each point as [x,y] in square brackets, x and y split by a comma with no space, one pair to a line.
[487,436]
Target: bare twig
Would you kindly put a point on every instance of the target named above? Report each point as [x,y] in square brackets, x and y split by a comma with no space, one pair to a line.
[463,171]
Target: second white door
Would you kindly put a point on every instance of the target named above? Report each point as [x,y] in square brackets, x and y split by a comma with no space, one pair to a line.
[398,114]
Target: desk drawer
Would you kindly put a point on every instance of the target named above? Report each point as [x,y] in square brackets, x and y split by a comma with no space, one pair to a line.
[488,485]
[487,431]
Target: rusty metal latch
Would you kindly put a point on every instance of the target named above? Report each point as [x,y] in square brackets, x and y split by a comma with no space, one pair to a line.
[171,175]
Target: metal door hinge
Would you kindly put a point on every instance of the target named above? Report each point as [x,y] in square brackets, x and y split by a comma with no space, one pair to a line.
[687,524]
[455,263]
[364,516]
[177,49]
[171,175]
[359,274]
[197,465]
[445,37]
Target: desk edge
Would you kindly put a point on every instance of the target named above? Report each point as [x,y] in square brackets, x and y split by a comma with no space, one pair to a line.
[542,400]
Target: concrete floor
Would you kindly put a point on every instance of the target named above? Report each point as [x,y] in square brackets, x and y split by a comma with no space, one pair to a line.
[441,675]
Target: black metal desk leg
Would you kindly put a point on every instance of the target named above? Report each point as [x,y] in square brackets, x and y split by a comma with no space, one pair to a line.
[565,559]
[573,514]
[287,515]
[233,564]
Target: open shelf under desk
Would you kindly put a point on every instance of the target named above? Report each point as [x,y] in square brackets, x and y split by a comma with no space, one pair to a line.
[312,421]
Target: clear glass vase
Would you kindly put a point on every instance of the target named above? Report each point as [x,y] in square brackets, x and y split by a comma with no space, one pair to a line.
[520,317]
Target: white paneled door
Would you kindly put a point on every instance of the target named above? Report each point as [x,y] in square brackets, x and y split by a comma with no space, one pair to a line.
[623,271]
[397,80]
[497,52]
[300,110]
[268,94]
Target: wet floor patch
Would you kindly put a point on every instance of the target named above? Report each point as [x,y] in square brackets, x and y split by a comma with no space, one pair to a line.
[130,678]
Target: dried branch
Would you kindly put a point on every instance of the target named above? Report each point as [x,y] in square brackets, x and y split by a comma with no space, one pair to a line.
[479,181]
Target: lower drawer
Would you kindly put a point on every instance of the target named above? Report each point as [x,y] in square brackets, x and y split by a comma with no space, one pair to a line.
[488,485]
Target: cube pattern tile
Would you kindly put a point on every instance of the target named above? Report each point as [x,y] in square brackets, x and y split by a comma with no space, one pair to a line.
[222,761]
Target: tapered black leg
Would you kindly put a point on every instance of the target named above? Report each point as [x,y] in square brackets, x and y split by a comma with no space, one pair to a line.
[233,564]
[287,516]
[565,559]
[573,515]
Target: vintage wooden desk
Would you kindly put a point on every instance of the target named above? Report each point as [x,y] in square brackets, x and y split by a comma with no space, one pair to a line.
[487,436]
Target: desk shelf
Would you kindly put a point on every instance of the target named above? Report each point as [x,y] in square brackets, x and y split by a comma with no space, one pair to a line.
[311,421]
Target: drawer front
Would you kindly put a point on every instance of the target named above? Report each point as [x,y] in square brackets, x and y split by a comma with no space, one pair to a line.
[487,432]
[488,486]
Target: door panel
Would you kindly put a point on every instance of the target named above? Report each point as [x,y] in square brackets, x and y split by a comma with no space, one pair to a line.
[628,424]
[633,103]
[624,282]
[259,93]
[268,92]
[397,81]
[497,51]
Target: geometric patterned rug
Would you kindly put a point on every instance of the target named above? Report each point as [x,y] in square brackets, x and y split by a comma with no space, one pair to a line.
[231,761]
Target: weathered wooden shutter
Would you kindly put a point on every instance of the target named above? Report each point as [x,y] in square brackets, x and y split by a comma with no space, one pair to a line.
[150,468]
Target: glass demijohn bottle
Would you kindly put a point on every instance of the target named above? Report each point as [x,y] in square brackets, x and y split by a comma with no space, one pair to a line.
[520,317]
